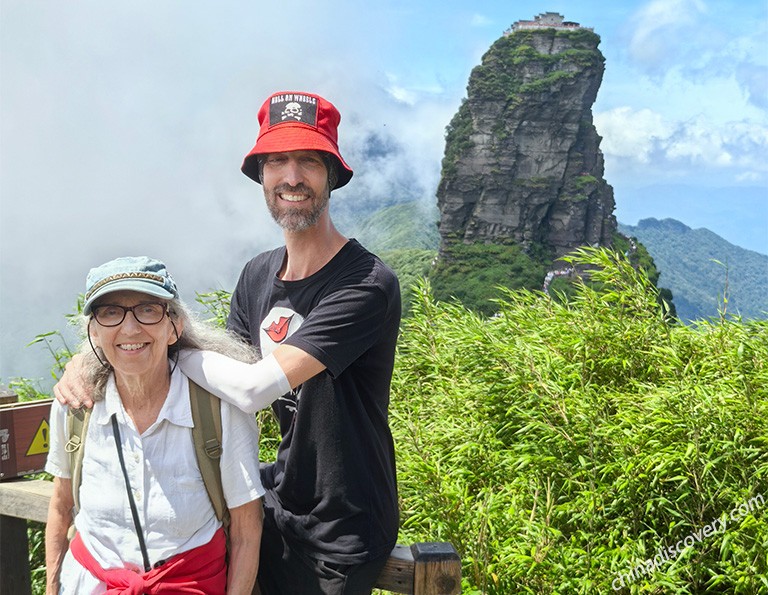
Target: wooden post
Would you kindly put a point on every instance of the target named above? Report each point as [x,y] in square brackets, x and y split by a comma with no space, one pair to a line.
[437,569]
[14,557]
[7,395]
[19,500]
[397,574]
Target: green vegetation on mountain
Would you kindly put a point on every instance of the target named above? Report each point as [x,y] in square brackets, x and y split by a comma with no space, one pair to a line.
[494,80]
[705,272]
[457,138]
[405,237]
[477,274]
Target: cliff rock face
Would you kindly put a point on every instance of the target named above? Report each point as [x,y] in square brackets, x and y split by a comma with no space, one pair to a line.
[522,162]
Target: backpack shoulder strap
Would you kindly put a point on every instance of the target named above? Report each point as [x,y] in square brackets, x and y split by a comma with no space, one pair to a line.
[77,429]
[206,434]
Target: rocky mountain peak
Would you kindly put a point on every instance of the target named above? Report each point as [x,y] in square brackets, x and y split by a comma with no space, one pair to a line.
[522,160]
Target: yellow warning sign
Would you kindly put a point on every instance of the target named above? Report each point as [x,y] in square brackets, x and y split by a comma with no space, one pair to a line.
[39,444]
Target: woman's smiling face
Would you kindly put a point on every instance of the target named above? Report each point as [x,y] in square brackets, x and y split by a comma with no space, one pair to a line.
[131,347]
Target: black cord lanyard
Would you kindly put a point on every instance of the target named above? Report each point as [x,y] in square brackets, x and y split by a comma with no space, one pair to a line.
[134,511]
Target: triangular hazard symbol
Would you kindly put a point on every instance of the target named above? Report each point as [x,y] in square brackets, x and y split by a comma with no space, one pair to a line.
[41,440]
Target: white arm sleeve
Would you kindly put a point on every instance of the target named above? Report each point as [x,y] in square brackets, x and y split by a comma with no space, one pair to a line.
[249,387]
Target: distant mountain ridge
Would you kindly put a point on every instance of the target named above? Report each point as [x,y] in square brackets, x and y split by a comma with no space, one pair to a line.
[738,214]
[697,265]
[409,225]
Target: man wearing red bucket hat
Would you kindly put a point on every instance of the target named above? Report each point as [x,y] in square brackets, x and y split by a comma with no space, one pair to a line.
[324,313]
[327,311]
[297,122]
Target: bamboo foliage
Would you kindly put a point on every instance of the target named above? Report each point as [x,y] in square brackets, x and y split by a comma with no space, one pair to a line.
[559,444]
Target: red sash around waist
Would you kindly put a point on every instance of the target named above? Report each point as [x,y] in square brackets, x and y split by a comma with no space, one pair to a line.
[200,571]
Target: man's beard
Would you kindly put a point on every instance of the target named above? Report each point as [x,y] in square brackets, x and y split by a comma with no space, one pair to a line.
[296,218]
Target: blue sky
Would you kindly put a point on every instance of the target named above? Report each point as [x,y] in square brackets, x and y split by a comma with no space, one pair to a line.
[123,125]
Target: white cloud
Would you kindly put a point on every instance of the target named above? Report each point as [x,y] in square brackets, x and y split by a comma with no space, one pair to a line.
[685,39]
[401,94]
[412,93]
[397,154]
[644,139]
[741,145]
[750,177]
[631,134]
[698,143]
[666,33]
[661,28]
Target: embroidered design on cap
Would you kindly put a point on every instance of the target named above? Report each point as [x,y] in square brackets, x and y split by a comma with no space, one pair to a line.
[111,278]
[291,108]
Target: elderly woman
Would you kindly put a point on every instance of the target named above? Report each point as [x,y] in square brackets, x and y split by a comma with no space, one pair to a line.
[146,523]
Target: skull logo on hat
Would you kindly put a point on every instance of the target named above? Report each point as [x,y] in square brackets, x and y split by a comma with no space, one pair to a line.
[292,110]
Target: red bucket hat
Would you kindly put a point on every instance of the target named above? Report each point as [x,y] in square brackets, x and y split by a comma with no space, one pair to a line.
[297,121]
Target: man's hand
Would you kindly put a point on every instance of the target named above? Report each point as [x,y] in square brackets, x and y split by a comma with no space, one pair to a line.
[72,390]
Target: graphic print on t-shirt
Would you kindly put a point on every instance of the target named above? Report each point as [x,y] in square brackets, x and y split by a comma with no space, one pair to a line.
[276,327]
[277,331]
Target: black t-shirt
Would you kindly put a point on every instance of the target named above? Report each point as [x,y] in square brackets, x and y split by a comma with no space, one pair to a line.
[332,491]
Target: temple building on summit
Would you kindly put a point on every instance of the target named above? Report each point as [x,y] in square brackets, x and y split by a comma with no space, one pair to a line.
[545,20]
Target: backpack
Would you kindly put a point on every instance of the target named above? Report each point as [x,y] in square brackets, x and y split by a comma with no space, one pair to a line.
[206,435]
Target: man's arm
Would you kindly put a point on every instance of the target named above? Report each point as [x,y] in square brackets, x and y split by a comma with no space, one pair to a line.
[297,365]
[245,542]
[248,387]
[72,389]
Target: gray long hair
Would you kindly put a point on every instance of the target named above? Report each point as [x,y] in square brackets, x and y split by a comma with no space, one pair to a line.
[197,334]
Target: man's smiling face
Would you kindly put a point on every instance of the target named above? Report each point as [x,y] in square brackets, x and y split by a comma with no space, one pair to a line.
[296,188]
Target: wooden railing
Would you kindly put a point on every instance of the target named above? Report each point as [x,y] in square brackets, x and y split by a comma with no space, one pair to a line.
[420,569]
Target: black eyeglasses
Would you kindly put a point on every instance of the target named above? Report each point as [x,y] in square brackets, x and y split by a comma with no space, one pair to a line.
[112,315]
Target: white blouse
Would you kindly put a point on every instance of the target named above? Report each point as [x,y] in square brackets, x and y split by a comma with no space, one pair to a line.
[174,509]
